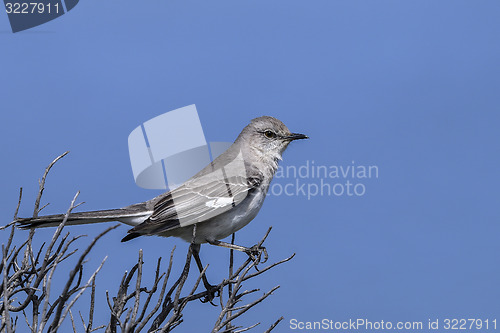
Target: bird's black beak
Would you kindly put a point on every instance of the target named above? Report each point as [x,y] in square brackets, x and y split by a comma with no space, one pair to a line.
[295,136]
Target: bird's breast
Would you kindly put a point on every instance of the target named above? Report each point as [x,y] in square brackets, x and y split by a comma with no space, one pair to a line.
[229,222]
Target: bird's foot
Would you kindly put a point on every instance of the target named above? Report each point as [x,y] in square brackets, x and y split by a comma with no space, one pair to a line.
[212,292]
[255,253]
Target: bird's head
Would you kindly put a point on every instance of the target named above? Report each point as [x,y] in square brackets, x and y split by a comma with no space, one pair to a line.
[269,136]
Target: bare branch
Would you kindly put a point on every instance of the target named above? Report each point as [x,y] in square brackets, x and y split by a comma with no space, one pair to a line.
[6,323]
[42,183]
[88,329]
[65,293]
[82,289]
[29,274]
[274,325]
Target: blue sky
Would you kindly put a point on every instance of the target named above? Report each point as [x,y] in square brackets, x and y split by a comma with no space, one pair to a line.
[409,86]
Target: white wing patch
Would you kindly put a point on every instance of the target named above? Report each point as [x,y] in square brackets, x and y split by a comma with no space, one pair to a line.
[219,202]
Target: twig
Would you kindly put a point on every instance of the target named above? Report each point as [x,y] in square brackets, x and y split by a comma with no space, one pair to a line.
[5,314]
[42,183]
[274,325]
[82,289]
[65,293]
[230,286]
[32,275]
[88,329]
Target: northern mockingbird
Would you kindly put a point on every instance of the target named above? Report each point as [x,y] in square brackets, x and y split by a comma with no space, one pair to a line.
[220,199]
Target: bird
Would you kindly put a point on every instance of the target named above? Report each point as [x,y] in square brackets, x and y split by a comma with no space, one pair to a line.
[219,200]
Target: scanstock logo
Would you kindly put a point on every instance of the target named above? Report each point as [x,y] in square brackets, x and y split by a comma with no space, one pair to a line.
[31,13]
[171,148]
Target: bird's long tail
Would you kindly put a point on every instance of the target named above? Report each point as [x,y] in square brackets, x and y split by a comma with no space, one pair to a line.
[132,215]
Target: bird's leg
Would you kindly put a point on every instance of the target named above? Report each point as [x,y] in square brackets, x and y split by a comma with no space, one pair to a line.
[253,252]
[196,255]
[212,290]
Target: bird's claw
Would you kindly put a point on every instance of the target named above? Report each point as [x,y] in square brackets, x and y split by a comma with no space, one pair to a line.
[255,253]
[212,292]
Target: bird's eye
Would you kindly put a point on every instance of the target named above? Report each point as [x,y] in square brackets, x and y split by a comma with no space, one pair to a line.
[269,134]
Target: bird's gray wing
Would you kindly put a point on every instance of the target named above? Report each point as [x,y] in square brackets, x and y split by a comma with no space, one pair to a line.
[196,201]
